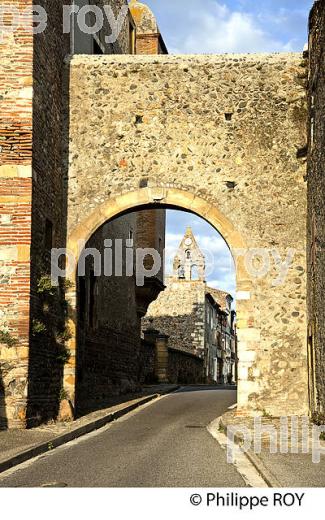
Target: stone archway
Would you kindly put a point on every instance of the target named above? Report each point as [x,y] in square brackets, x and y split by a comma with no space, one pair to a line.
[252,381]
[219,136]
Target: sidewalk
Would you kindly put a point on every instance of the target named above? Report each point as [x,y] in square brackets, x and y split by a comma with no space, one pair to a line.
[279,469]
[17,446]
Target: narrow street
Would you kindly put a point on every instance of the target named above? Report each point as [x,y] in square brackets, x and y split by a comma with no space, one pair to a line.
[164,444]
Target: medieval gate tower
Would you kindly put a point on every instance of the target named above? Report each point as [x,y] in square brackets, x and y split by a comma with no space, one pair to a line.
[219,135]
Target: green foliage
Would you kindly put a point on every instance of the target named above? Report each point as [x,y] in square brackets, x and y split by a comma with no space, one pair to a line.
[64,336]
[67,284]
[318,418]
[7,338]
[44,286]
[38,327]
[51,319]
[266,414]
[63,354]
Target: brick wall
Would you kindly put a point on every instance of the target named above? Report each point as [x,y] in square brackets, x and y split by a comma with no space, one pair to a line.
[32,190]
[316,207]
[16,80]
[147,44]
[148,37]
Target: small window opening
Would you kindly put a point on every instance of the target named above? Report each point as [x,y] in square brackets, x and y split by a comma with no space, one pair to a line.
[228,116]
[194,273]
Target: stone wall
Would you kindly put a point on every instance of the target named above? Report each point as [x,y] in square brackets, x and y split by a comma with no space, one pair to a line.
[108,325]
[109,356]
[34,99]
[49,209]
[184,368]
[316,207]
[147,362]
[179,312]
[221,136]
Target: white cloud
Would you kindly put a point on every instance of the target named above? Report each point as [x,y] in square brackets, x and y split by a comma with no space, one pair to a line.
[212,27]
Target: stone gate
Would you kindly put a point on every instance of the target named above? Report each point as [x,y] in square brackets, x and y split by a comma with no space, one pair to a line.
[221,136]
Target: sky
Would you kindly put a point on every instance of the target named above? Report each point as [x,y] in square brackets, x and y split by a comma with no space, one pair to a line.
[225,26]
[220,272]
[219,26]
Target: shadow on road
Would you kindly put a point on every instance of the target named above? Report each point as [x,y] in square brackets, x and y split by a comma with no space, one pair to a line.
[202,388]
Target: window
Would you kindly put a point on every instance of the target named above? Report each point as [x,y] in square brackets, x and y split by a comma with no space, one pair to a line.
[194,273]
[181,272]
[228,116]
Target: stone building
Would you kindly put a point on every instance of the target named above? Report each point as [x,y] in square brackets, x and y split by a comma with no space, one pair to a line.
[197,318]
[33,216]
[316,207]
[71,132]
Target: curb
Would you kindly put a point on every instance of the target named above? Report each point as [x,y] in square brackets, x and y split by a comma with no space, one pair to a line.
[51,444]
[260,467]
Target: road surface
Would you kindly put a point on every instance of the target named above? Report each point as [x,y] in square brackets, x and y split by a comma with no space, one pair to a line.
[164,444]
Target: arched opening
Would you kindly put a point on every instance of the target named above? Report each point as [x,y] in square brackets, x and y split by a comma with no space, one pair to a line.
[122,314]
[194,272]
[87,294]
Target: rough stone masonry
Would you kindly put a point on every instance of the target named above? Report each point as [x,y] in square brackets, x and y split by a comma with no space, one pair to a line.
[220,136]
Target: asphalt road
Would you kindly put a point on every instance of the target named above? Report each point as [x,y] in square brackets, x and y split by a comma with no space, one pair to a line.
[164,444]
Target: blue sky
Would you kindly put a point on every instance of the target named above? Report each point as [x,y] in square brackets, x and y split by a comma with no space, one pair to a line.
[219,263]
[211,26]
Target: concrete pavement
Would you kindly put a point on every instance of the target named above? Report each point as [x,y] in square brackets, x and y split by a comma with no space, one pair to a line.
[165,444]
